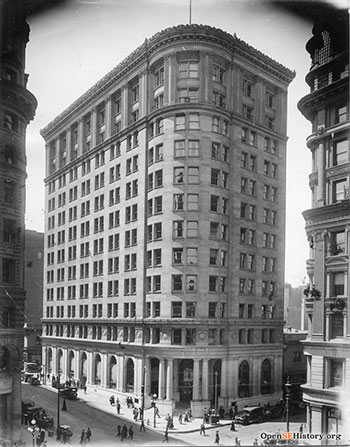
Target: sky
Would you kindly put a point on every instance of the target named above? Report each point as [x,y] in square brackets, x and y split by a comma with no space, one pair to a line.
[76,43]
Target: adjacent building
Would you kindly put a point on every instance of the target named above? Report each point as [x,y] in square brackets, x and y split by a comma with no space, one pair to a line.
[294,307]
[327,225]
[164,239]
[33,283]
[17,108]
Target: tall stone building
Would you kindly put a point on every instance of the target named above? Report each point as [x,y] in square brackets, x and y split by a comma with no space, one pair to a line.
[33,283]
[327,225]
[17,108]
[165,194]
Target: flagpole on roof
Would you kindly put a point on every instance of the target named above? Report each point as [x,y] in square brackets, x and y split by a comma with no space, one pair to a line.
[190,18]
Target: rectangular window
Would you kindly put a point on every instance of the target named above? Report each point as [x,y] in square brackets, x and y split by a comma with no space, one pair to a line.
[179,148]
[177,283]
[176,309]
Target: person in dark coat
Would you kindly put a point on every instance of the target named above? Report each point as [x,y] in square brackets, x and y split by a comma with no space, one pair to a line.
[124,431]
[202,430]
[131,433]
[119,433]
[64,406]
[166,437]
[88,434]
[233,428]
[217,437]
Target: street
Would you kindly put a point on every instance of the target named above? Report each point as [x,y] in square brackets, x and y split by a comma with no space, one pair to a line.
[79,416]
[94,410]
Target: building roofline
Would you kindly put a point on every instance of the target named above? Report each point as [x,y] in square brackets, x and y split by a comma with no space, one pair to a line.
[201,32]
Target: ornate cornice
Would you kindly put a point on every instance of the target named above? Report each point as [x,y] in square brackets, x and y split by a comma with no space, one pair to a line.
[200,34]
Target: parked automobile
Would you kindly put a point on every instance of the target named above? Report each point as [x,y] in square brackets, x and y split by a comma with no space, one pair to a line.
[39,414]
[69,392]
[250,415]
[34,380]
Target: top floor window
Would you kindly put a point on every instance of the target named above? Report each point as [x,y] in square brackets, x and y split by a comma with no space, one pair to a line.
[218,74]
[159,76]
[134,91]
[247,88]
[188,69]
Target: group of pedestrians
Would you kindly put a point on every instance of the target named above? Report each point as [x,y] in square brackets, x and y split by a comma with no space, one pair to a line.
[124,432]
[85,435]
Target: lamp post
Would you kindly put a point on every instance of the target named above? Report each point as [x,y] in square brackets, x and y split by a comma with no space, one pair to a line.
[154,405]
[143,397]
[58,432]
[288,387]
[216,392]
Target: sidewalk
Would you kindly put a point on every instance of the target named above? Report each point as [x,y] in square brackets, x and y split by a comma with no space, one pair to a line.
[187,432]
[99,398]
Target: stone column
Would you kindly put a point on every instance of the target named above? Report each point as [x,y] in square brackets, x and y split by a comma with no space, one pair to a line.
[104,369]
[108,119]
[345,324]
[120,376]
[54,361]
[195,394]
[94,129]
[320,170]
[176,376]
[255,376]
[205,88]
[169,379]
[205,379]
[124,106]
[68,144]
[327,325]
[148,376]
[90,367]
[80,137]
[224,384]
[170,78]
[161,379]
[143,83]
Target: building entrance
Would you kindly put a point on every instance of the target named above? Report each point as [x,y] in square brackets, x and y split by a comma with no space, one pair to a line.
[186,380]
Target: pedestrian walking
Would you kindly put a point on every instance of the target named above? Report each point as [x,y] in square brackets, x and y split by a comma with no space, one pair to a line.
[217,438]
[83,436]
[233,428]
[301,428]
[255,442]
[166,437]
[180,418]
[202,430]
[119,428]
[64,406]
[85,389]
[131,433]
[118,407]
[111,400]
[157,412]
[88,434]
[125,431]
[142,425]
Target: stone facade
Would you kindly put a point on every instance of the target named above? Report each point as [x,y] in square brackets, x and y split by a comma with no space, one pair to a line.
[327,227]
[17,108]
[165,194]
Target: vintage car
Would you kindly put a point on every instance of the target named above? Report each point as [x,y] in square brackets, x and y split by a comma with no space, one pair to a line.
[34,380]
[250,415]
[69,392]
[39,415]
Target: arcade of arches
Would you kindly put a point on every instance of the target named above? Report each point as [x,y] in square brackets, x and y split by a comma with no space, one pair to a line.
[180,380]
